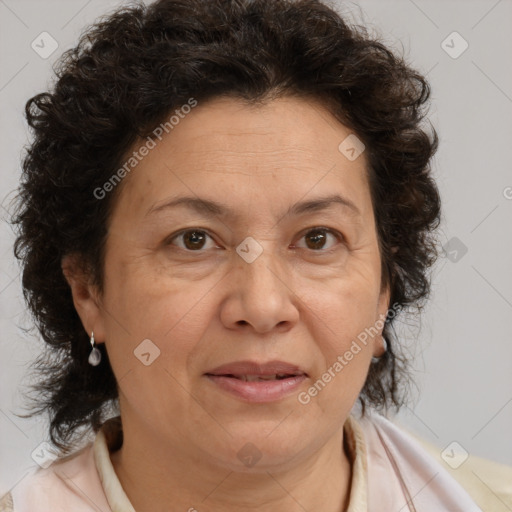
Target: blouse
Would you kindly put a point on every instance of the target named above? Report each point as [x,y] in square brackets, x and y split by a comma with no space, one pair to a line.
[391,470]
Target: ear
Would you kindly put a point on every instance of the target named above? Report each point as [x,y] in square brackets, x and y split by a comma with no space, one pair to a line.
[86,297]
[382,311]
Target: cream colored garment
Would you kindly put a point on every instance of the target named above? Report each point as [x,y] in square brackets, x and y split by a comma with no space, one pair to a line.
[489,483]
[391,472]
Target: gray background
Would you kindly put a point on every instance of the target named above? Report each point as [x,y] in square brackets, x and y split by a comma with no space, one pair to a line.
[462,345]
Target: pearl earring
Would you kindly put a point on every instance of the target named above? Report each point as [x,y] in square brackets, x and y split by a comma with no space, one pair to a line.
[95,355]
[385,344]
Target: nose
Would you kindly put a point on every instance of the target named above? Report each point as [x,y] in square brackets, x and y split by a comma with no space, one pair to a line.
[260,297]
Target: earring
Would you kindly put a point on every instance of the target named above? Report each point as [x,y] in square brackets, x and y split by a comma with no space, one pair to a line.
[385,344]
[95,355]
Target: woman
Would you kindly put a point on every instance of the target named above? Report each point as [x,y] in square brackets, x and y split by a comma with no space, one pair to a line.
[224,209]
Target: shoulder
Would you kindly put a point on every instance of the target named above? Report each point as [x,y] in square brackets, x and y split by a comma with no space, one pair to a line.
[487,484]
[69,483]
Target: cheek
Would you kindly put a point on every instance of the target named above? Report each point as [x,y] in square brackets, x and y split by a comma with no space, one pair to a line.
[340,319]
[341,316]
[154,330]
[168,313]
[153,302]
[344,307]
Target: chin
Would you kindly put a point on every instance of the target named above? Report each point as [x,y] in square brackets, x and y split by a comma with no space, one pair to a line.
[260,449]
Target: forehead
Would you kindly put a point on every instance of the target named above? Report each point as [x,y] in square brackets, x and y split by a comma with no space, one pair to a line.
[226,148]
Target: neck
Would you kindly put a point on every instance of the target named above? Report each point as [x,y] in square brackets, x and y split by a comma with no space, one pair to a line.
[158,476]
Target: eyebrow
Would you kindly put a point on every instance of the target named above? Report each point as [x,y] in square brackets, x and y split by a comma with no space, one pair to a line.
[208,207]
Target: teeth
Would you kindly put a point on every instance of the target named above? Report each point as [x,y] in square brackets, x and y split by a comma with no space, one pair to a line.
[255,378]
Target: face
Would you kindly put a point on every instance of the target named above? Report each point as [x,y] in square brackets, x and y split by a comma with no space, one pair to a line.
[254,268]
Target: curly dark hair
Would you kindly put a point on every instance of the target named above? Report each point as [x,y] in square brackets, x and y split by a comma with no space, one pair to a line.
[128,72]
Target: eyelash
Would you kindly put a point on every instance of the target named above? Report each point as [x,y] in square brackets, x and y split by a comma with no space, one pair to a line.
[321,229]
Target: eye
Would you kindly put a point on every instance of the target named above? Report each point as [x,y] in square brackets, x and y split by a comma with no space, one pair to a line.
[191,239]
[195,240]
[317,238]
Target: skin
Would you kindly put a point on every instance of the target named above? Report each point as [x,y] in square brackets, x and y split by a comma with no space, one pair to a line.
[297,302]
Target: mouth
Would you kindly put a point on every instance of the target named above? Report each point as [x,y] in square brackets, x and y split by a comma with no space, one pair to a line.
[258,382]
[251,369]
[257,378]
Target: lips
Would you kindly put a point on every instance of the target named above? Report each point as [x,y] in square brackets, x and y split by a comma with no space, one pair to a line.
[251,371]
[258,383]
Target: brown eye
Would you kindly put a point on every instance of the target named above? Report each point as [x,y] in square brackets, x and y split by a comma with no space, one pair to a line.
[316,239]
[191,240]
